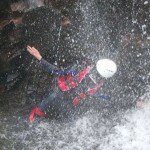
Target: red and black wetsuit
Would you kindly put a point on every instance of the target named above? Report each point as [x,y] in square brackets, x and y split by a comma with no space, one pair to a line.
[72,88]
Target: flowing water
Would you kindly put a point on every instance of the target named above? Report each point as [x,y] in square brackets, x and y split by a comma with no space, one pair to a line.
[128,130]
[93,130]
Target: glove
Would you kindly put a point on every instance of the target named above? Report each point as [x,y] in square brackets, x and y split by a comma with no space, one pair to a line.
[76,102]
[34,111]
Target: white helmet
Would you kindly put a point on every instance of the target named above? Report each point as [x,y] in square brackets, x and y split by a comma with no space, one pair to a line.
[106,68]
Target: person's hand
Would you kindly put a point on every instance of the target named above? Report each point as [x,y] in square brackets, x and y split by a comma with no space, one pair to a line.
[140,104]
[34,52]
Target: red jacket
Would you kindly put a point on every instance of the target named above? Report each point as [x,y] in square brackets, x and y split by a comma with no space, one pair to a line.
[68,82]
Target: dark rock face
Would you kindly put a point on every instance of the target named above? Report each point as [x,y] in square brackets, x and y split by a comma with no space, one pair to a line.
[12,71]
[42,30]
[94,29]
[11,55]
[39,25]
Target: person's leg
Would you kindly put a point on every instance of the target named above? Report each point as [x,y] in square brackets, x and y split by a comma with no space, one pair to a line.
[57,104]
[48,101]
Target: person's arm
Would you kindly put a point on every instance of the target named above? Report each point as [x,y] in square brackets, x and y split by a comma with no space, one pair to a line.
[47,66]
[55,70]
[34,52]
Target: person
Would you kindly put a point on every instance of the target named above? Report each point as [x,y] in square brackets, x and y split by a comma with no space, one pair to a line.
[79,84]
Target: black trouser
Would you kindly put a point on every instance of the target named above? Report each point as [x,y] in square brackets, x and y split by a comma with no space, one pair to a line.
[57,103]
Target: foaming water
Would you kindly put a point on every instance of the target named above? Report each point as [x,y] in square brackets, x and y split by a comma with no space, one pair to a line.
[93,131]
[132,134]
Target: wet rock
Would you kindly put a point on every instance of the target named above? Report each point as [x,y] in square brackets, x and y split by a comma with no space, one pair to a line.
[19,6]
[36,3]
[11,54]
[61,4]
[42,20]
[12,70]
[43,27]
[26,5]
[65,21]
[4,23]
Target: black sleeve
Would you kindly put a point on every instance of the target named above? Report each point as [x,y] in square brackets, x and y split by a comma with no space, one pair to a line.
[54,69]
